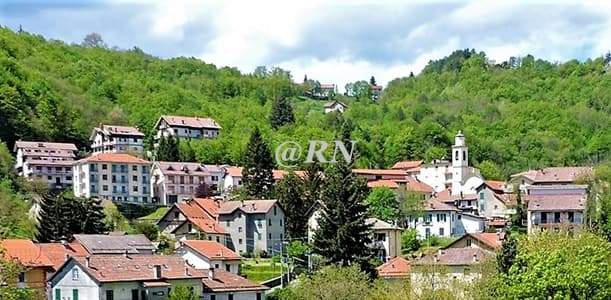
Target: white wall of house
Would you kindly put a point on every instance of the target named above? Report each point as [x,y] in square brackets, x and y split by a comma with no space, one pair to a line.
[116,143]
[490,206]
[231,182]
[468,224]
[438,175]
[92,179]
[201,262]
[438,223]
[74,278]
[247,295]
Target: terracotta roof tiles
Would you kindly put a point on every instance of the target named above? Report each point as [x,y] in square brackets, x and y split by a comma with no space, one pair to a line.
[114,158]
[397,267]
[212,250]
[26,252]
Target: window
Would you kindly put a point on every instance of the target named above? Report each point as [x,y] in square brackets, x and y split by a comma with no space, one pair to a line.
[258,236]
[75,274]
[269,222]
[280,222]
[228,268]
[240,229]
[135,294]
[441,217]
[230,297]
[228,223]
[134,178]
[281,237]
[441,232]
[105,188]
[258,296]
[459,216]
[464,155]
[104,167]
[104,177]
[110,295]
[216,266]
[134,168]
[456,155]
[214,178]
[269,236]
[468,242]
[571,216]
[543,217]
[240,241]
[427,233]
[135,188]
[58,294]
[467,271]
[212,297]
[259,223]
[556,217]
[189,227]
[176,215]
[21,277]
[275,211]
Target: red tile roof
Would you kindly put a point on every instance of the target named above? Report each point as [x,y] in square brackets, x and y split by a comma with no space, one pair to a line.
[59,253]
[208,225]
[555,174]
[117,130]
[113,268]
[193,122]
[387,183]
[436,205]
[223,281]
[114,158]
[495,185]
[446,196]
[27,253]
[415,185]
[45,145]
[407,164]
[212,250]
[247,206]
[187,168]
[389,172]
[555,202]
[492,240]
[279,174]
[397,267]
[234,171]
[454,257]
[201,212]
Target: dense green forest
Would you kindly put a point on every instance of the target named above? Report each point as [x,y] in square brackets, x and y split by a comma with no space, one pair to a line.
[518,114]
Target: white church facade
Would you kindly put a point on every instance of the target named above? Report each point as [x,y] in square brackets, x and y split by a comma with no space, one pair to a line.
[455,175]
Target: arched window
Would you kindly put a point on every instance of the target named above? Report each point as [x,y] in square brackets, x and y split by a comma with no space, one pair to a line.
[464,155]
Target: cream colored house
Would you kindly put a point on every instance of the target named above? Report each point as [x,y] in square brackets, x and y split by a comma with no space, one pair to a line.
[47,162]
[114,138]
[187,127]
[172,182]
[113,176]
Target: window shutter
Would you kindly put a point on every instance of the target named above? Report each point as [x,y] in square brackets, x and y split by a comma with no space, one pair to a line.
[58,294]
[75,294]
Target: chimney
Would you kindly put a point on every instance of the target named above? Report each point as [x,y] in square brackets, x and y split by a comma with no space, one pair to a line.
[242,201]
[125,253]
[187,271]
[87,262]
[157,272]
[254,207]
[67,257]
[211,273]
[475,257]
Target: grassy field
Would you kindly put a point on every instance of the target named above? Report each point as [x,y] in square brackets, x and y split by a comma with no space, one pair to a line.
[260,270]
[156,215]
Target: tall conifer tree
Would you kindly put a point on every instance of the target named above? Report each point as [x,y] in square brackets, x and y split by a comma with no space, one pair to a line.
[282,113]
[290,193]
[258,168]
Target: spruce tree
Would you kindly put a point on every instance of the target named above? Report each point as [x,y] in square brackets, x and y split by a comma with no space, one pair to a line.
[186,152]
[62,216]
[282,113]
[343,236]
[257,174]
[202,190]
[312,183]
[52,224]
[168,149]
[290,194]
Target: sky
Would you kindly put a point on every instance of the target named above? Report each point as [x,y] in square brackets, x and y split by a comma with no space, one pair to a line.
[330,41]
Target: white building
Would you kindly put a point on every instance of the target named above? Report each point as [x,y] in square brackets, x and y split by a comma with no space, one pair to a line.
[550,176]
[335,106]
[109,277]
[456,175]
[113,176]
[232,179]
[48,162]
[113,138]
[443,220]
[223,285]
[203,254]
[194,219]
[441,269]
[555,212]
[187,127]
[172,182]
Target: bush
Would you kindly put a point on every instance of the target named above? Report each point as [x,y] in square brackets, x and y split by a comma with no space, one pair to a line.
[409,241]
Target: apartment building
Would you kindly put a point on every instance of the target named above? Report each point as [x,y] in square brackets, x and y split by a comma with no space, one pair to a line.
[113,176]
[172,182]
[187,127]
[47,162]
[113,138]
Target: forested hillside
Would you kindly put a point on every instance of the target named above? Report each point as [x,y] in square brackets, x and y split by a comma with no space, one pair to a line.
[519,114]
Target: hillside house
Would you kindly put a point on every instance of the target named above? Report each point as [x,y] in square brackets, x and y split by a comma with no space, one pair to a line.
[30,256]
[550,176]
[335,106]
[187,127]
[103,244]
[203,254]
[172,182]
[396,269]
[411,167]
[487,241]
[379,174]
[114,138]
[447,265]
[555,212]
[223,285]
[108,277]
[113,176]
[444,220]
[376,92]
[493,202]
[254,225]
[195,218]
[50,163]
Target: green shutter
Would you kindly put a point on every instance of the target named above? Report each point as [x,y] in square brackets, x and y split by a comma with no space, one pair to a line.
[58,294]
[75,294]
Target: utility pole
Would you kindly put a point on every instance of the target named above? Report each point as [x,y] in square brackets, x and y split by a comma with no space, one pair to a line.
[281,263]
